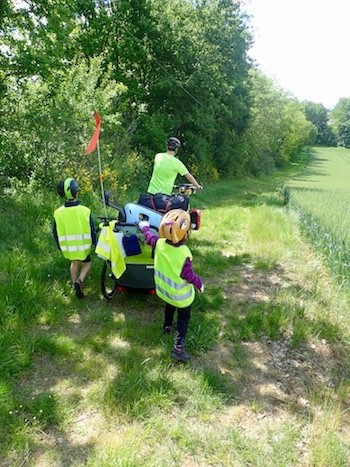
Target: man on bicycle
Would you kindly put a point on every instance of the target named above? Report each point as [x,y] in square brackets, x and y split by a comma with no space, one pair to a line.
[166,168]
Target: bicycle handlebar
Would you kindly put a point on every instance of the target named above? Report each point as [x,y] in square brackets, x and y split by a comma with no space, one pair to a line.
[124,224]
[186,188]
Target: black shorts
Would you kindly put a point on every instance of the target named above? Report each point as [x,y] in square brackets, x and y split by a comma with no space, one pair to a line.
[87,259]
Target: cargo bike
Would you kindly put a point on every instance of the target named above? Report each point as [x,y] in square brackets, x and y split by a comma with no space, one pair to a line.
[138,256]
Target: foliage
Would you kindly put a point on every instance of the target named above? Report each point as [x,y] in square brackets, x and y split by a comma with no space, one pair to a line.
[198,86]
[318,115]
[298,132]
[39,37]
[50,124]
[277,130]
[151,70]
[340,122]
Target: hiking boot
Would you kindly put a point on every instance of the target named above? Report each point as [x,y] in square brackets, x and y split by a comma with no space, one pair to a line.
[78,285]
[167,329]
[179,354]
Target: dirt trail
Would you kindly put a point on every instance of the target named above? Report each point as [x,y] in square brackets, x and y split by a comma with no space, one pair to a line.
[277,374]
[272,386]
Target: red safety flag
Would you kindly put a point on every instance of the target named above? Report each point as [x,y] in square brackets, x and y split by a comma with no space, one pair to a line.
[95,136]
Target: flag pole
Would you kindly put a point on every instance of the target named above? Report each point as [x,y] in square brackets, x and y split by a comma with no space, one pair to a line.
[101,178]
[91,147]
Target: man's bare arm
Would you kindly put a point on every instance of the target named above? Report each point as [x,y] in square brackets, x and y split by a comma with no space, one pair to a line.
[192,180]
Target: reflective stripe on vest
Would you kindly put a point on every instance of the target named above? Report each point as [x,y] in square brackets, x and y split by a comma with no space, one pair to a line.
[172,284]
[168,264]
[70,238]
[176,297]
[74,231]
[75,247]
[102,249]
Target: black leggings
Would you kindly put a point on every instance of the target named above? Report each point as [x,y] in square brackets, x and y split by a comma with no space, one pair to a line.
[183,318]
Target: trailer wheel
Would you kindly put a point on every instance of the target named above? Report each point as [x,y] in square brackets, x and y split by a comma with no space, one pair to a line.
[108,281]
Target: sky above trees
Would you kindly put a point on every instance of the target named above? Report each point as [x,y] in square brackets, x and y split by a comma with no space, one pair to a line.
[303,46]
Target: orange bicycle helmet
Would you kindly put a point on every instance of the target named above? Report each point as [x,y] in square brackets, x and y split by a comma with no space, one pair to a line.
[175,225]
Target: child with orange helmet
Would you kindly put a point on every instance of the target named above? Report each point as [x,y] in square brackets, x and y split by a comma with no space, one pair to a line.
[174,276]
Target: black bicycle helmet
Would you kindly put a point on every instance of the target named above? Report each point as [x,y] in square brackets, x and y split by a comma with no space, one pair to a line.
[174,143]
[68,188]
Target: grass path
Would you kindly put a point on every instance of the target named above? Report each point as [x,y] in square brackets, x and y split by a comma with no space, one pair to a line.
[91,382]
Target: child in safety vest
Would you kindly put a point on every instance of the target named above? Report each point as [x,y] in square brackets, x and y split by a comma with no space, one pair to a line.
[173,274]
[74,233]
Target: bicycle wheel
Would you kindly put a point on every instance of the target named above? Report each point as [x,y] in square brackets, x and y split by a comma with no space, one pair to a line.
[108,281]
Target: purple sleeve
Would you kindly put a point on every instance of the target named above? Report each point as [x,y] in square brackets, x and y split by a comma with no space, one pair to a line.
[189,275]
[150,238]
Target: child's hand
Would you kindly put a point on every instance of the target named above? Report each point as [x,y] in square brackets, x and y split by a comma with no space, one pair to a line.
[202,289]
[143,224]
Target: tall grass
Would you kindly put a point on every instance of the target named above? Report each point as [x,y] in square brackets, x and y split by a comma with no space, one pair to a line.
[321,198]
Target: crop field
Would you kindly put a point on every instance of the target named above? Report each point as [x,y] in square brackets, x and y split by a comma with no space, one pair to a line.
[321,198]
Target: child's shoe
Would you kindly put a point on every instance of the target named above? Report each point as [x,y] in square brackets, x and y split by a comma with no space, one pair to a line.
[167,329]
[179,354]
[78,285]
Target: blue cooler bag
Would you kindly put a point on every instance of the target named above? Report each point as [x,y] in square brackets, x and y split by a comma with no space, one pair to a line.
[131,245]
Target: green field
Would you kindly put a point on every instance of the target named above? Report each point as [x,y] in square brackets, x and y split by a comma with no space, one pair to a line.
[321,196]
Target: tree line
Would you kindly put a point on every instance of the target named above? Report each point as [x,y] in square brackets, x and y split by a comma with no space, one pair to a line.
[152,69]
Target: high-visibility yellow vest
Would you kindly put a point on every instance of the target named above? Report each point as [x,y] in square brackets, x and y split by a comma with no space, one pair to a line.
[108,249]
[74,231]
[168,264]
